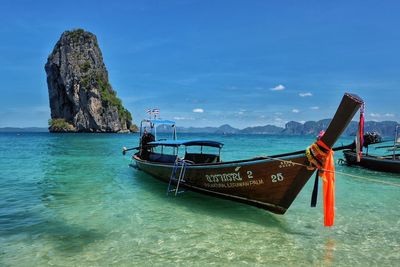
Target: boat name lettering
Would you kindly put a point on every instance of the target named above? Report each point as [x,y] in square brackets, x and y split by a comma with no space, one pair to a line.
[285,164]
[277,177]
[233,185]
[224,177]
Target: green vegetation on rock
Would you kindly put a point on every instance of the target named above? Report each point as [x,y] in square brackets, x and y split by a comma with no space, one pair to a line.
[60,125]
[133,128]
[75,34]
[85,66]
[110,97]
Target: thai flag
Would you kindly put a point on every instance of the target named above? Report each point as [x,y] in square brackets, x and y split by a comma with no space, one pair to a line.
[156,111]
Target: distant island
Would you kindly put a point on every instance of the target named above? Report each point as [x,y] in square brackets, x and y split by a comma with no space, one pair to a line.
[384,128]
[81,96]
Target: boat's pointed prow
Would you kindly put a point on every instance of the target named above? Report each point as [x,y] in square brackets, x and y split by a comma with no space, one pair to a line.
[268,182]
[320,154]
[349,105]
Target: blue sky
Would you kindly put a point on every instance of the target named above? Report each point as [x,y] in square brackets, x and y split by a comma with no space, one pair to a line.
[206,63]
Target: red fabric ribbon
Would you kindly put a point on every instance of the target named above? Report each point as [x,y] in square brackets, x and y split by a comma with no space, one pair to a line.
[328,177]
[360,134]
[321,156]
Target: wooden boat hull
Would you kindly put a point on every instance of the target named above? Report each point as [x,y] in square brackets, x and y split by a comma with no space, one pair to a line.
[262,182]
[384,164]
[271,183]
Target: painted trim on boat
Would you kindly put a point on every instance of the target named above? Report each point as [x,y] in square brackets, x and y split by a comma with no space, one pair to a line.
[219,164]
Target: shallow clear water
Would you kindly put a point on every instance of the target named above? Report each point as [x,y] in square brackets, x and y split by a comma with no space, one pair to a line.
[73,200]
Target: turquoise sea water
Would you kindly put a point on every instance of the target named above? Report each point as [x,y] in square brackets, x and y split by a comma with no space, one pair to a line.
[72,200]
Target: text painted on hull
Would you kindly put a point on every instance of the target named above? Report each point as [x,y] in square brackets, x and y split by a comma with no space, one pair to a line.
[232,185]
[231,180]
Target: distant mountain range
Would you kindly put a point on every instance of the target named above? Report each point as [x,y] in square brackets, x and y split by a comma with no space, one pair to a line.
[384,128]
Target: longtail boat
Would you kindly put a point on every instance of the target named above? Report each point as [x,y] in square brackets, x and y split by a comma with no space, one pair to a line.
[268,182]
[389,162]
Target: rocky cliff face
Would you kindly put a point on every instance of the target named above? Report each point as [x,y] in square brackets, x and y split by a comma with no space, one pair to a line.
[81,97]
[267,129]
[226,129]
[293,128]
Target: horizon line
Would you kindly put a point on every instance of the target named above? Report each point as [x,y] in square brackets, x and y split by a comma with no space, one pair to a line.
[44,127]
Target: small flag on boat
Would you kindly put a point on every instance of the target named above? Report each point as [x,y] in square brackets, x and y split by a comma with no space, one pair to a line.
[156,111]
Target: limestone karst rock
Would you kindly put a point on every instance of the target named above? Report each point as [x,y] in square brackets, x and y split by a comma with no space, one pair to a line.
[81,97]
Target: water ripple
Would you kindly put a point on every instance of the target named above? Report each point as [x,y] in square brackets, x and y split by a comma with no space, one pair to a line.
[72,200]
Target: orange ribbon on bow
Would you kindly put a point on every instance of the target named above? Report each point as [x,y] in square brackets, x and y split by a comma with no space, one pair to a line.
[321,156]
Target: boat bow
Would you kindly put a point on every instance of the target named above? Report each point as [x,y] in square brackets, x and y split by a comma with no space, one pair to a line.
[271,183]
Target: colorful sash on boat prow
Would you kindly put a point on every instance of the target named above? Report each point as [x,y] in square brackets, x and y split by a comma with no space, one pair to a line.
[360,135]
[268,182]
[321,156]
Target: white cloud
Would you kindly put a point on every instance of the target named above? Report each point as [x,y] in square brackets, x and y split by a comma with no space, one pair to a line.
[375,115]
[314,108]
[305,94]
[279,87]
[198,110]
[295,110]
[378,115]
[183,118]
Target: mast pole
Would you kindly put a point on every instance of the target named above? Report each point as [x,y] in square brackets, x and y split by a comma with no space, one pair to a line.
[155,131]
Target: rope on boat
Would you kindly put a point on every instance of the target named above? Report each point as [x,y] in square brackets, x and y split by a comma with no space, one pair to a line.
[368,179]
[339,172]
